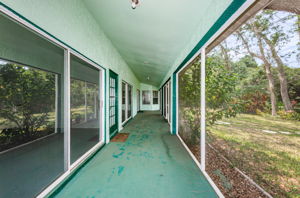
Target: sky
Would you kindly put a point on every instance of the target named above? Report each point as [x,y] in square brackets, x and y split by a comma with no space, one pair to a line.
[288,47]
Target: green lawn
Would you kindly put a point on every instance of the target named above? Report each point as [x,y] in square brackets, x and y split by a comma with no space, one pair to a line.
[270,159]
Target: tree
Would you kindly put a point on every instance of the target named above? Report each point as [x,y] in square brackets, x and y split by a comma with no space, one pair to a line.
[272,34]
[220,87]
[263,57]
[225,53]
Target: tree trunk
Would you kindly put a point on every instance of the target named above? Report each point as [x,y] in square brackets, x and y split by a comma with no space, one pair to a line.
[224,51]
[267,67]
[298,30]
[281,75]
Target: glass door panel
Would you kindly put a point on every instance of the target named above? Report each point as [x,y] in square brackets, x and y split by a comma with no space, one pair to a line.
[113,103]
[85,107]
[129,104]
[123,101]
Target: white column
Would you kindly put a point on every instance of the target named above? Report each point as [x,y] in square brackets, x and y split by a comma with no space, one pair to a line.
[126,101]
[67,106]
[202,141]
[56,103]
[101,110]
[85,102]
[95,104]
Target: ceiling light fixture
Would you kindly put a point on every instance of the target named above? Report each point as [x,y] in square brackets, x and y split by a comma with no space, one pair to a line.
[134,3]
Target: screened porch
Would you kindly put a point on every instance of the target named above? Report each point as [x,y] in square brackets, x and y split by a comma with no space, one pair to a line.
[140,98]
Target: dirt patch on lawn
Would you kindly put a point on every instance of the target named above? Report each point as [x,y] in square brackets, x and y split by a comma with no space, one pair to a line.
[231,182]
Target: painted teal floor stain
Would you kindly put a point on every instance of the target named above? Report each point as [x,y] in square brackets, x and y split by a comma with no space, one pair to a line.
[151,163]
[121,168]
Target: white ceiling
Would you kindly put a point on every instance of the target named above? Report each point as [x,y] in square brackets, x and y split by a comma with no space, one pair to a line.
[151,37]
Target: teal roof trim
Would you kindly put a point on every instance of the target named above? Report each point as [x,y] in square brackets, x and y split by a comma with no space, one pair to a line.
[232,8]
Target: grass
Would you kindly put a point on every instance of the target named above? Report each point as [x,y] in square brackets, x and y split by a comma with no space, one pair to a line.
[271,160]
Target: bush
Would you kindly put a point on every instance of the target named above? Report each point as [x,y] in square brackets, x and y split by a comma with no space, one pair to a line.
[254,102]
[289,115]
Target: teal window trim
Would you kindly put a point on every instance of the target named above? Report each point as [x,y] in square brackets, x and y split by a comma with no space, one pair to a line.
[229,11]
[116,77]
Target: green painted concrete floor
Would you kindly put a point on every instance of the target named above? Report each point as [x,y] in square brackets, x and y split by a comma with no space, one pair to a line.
[151,163]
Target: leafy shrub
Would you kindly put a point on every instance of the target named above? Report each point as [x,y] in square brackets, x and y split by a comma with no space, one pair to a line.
[254,102]
[289,115]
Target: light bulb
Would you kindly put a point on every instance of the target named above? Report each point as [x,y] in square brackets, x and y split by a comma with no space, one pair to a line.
[133,5]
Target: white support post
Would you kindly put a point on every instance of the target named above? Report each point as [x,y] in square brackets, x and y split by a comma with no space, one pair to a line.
[126,102]
[56,103]
[202,140]
[101,109]
[67,107]
[85,102]
[95,104]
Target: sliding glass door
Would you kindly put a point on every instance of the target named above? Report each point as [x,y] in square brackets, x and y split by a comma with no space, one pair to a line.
[138,100]
[166,101]
[126,102]
[129,94]
[31,111]
[50,113]
[85,119]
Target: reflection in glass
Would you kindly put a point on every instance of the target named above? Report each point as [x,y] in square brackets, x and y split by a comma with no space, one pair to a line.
[84,108]
[123,101]
[31,139]
[189,106]
[146,97]
[27,108]
[165,102]
[129,102]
